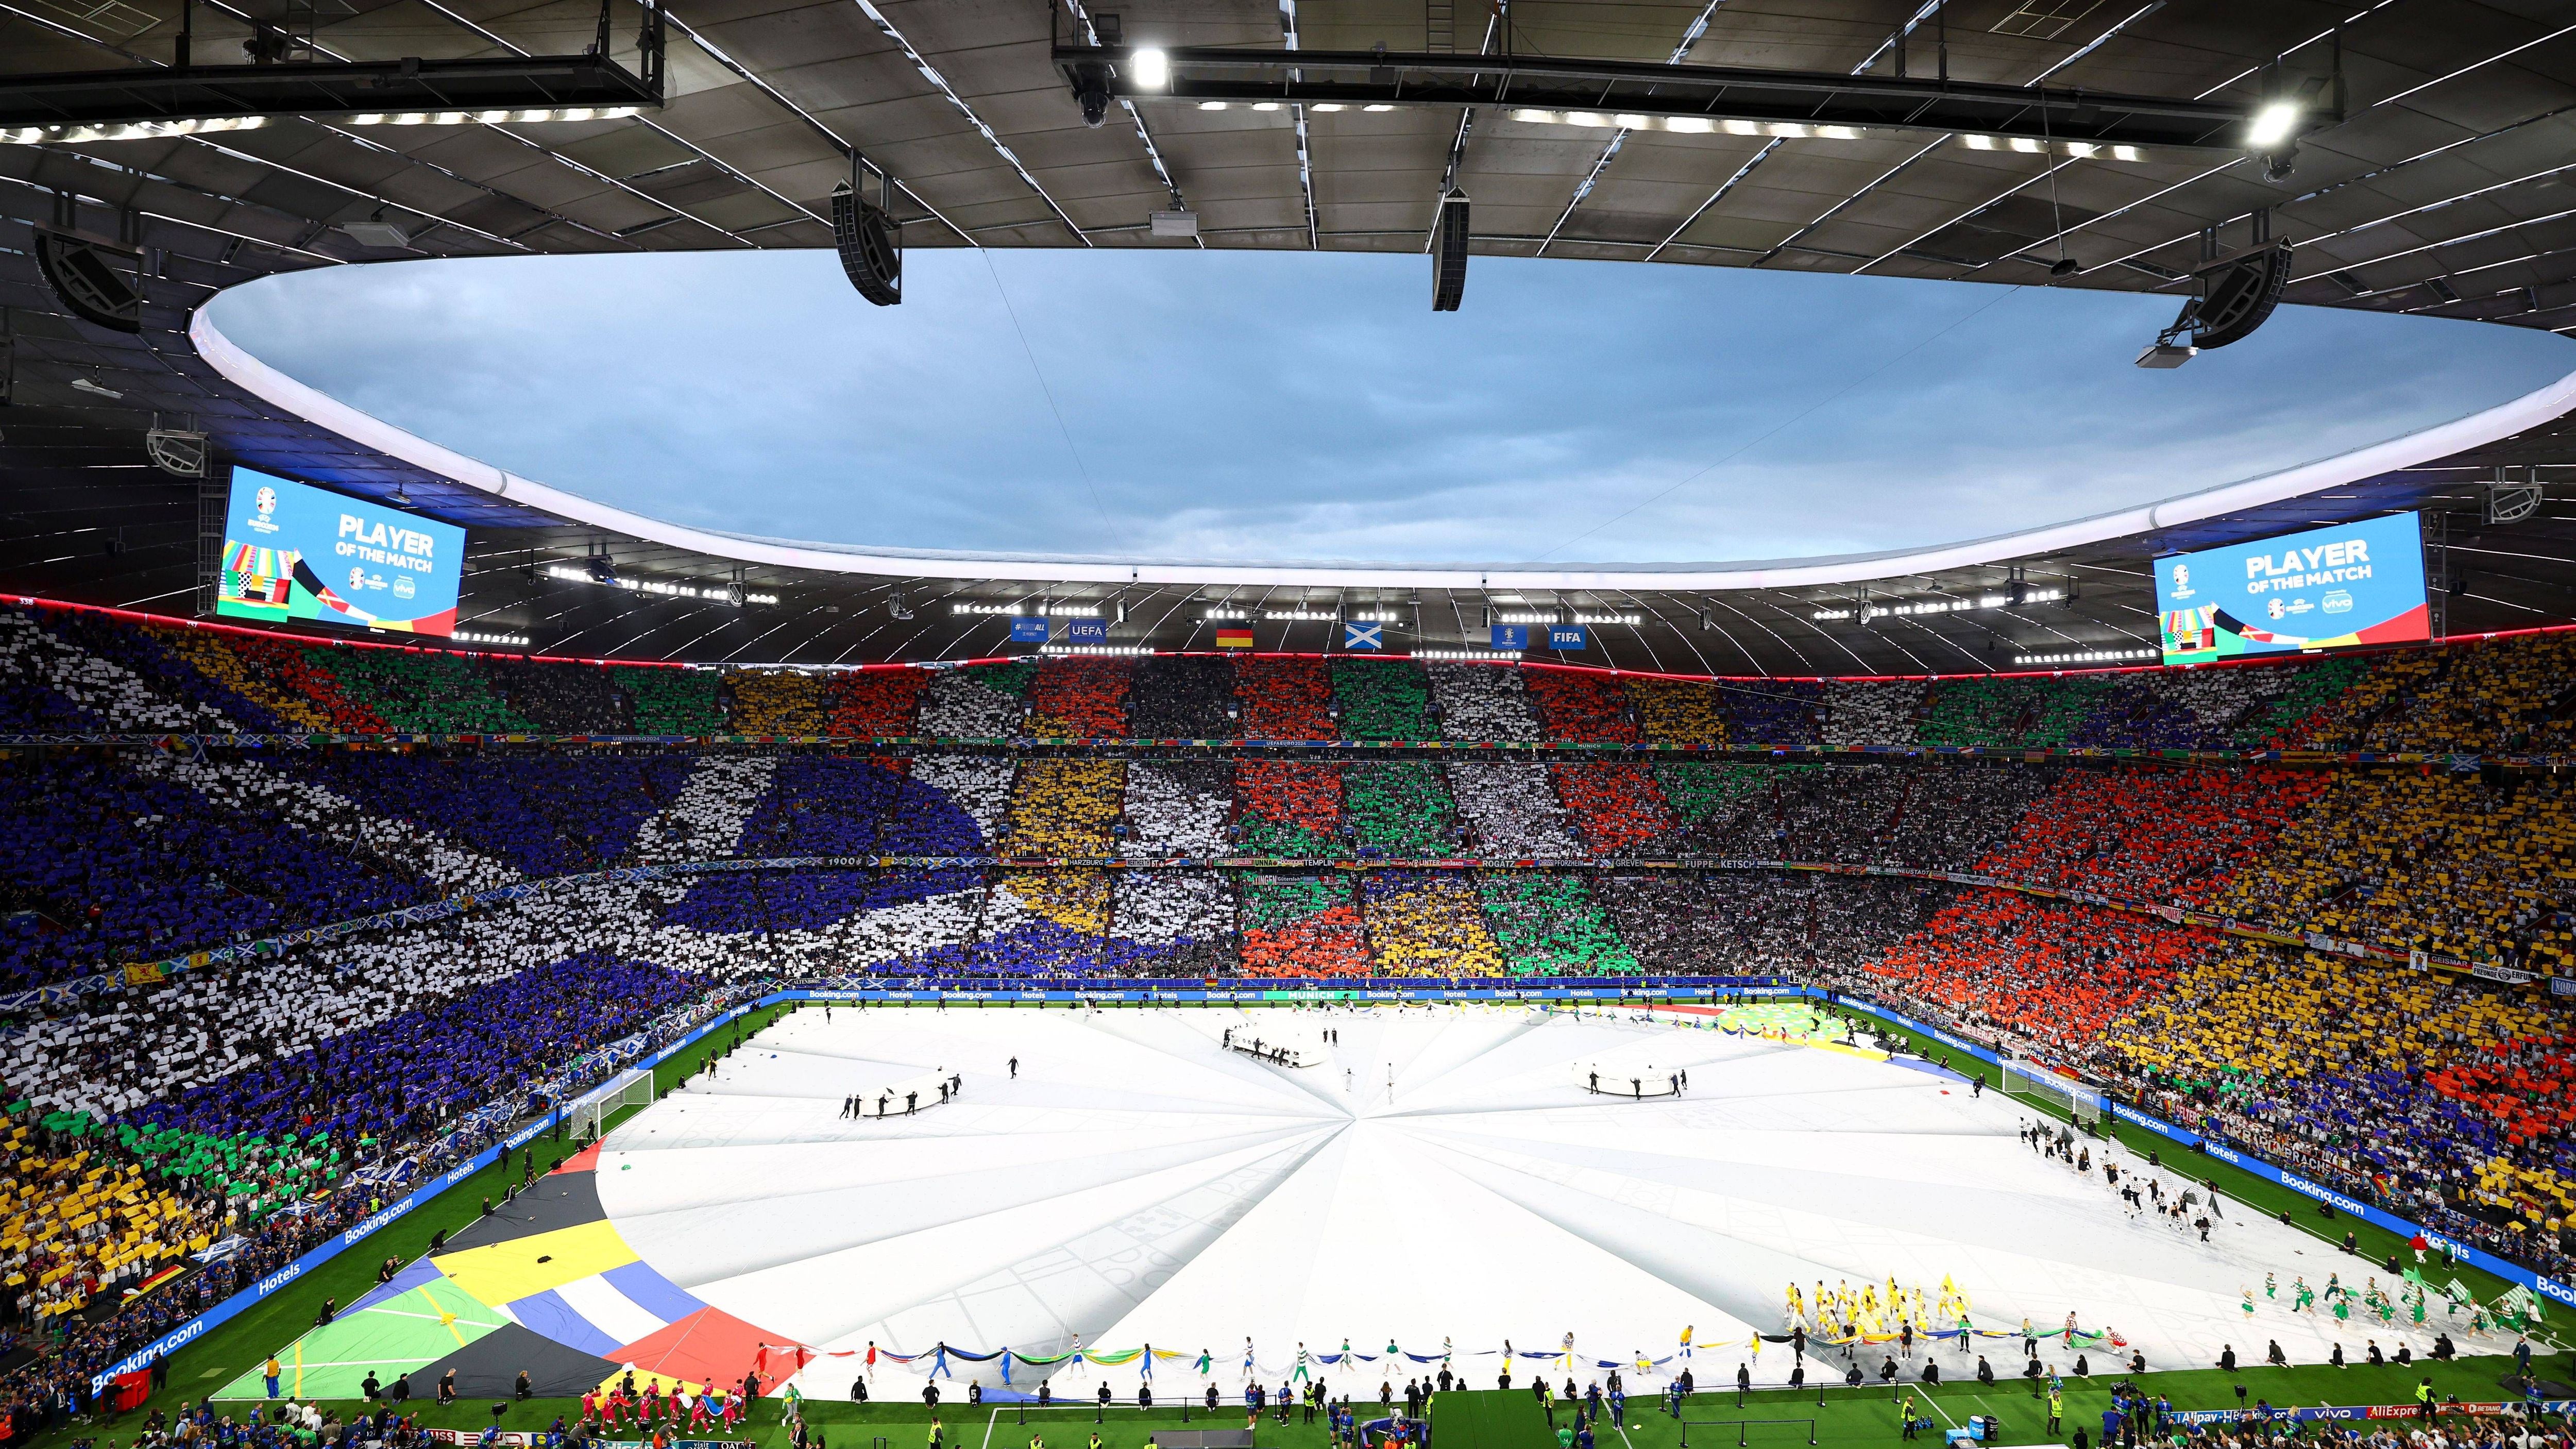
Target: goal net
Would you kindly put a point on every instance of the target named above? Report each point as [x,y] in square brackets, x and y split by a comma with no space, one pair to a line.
[2030,1081]
[591,1113]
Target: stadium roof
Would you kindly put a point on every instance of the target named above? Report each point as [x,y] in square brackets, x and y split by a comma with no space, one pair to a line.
[2432,155]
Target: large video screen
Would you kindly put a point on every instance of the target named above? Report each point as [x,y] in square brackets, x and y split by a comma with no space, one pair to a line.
[295,552]
[2327,588]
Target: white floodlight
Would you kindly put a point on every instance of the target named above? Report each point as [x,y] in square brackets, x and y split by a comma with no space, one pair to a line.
[2272,126]
[1153,69]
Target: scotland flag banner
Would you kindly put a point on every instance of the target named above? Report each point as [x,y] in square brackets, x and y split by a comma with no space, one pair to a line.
[1359,635]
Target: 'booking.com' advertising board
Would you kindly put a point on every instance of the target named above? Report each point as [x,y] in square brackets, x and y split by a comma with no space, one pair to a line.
[292,551]
[2327,588]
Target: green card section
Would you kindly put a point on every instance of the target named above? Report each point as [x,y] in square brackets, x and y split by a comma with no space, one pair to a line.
[404,1332]
[1383,699]
[1270,902]
[1001,678]
[1698,790]
[1552,924]
[1403,809]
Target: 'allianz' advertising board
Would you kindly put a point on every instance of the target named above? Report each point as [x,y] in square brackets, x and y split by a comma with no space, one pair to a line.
[292,551]
[2327,588]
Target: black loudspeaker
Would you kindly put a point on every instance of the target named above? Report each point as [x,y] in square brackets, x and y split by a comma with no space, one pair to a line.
[94,281]
[2240,297]
[865,238]
[1449,253]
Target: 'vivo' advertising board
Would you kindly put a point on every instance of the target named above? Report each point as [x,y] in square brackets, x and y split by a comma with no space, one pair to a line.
[292,551]
[2327,588]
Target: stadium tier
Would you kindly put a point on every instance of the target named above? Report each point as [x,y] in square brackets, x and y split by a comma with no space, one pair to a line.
[2342,963]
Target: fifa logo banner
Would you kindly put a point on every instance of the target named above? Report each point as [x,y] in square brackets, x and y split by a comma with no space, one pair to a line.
[2328,588]
[293,552]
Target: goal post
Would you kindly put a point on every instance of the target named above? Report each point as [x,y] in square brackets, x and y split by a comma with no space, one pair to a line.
[2070,1098]
[590,1114]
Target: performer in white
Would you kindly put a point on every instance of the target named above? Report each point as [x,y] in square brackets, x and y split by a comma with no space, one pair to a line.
[1248,1370]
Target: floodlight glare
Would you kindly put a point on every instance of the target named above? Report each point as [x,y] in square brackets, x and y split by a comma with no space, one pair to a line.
[2272,126]
[1153,69]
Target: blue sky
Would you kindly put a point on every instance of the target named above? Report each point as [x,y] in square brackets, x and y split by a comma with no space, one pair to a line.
[1293,405]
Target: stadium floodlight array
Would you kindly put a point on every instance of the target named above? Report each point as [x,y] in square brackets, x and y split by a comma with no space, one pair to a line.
[2088,656]
[2032,1082]
[712,593]
[492,118]
[1808,131]
[1940,606]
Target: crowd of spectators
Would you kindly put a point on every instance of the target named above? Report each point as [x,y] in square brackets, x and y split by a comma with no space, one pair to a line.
[1400,809]
[775,702]
[423,690]
[1081,697]
[674,701]
[541,813]
[985,701]
[1551,923]
[1184,697]
[1861,712]
[564,698]
[872,703]
[1065,808]
[1682,712]
[1582,706]
[78,1218]
[2451,1100]
[1380,699]
[2446,1100]
[2508,695]
[1299,925]
[1177,808]
[1483,702]
[1427,923]
[2016,712]
[1285,698]
[1797,923]
[275,679]
[105,864]
[2048,972]
[2169,836]
[101,1212]
[263,789]
[2410,859]
[69,669]
[1510,811]
[1772,712]
[54,685]
[1288,808]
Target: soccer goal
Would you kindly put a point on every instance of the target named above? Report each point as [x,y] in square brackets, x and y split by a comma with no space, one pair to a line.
[2029,1080]
[591,1113]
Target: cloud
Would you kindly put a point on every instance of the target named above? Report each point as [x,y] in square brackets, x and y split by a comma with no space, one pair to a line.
[1245,405]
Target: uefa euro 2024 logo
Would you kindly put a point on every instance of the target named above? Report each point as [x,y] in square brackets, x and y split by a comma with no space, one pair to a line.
[2182,581]
[263,508]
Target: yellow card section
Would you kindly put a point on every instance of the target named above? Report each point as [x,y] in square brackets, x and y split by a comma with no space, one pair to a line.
[522,1266]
